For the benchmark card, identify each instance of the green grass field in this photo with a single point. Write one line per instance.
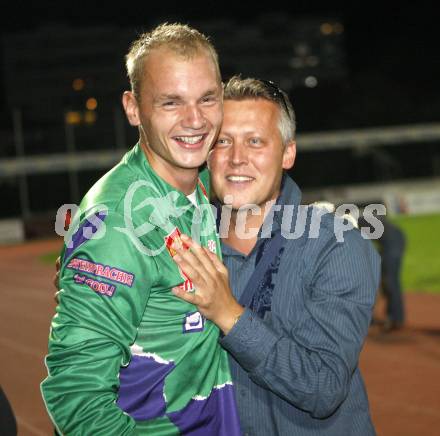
(421, 266)
(49, 258)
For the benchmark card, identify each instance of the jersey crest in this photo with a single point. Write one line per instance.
(171, 240)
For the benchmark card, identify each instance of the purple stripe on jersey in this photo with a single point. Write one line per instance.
(141, 391)
(79, 237)
(216, 415)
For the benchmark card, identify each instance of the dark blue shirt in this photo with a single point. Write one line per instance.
(295, 363)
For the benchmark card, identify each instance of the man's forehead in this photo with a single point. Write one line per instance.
(244, 118)
(253, 110)
(164, 55)
(172, 71)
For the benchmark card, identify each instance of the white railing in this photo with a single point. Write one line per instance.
(359, 138)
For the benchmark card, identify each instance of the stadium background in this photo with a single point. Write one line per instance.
(364, 83)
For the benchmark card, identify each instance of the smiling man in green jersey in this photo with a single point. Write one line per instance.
(125, 355)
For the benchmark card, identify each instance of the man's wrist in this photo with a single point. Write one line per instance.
(232, 319)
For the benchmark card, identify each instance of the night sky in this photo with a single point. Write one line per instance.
(402, 37)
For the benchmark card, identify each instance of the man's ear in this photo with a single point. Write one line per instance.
(131, 108)
(289, 155)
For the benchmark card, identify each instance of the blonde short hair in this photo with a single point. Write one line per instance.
(244, 89)
(180, 38)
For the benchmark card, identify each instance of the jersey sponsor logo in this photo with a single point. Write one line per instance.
(107, 271)
(96, 285)
(171, 240)
(193, 322)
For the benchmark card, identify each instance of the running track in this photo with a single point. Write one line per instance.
(401, 370)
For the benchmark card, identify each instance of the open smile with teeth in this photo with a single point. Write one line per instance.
(190, 140)
(239, 179)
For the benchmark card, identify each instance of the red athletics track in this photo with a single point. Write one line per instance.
(401, 370)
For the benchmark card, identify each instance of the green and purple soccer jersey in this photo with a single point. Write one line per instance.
(125, 355)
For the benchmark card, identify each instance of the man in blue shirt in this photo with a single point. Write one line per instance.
(295, 346)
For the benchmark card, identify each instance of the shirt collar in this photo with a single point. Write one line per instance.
(290, 195)
(138, 162)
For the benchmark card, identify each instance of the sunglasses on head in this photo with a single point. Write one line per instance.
(276, 93)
